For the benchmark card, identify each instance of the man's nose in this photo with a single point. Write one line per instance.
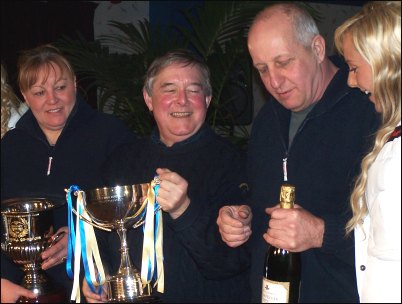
(275, 78)
(181, 97)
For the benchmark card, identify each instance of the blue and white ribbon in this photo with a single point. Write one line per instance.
(152, 250)
(82, 241)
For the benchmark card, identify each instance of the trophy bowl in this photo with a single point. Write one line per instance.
(26, 232)
(118, 208)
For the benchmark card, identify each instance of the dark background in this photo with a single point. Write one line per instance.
(27, 24)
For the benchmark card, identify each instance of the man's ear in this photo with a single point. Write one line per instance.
(148, 100)
(75, 84)
(318, 47)
(208, 100)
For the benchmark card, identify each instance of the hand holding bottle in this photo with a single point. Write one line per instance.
(294, 229)
(235, 224)
(282, 268)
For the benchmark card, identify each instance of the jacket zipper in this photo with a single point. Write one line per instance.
(49, 166)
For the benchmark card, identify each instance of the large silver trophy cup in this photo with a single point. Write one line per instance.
(118, 208)
(26, 233)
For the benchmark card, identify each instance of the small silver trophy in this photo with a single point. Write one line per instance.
(26, 233)
(118, 208)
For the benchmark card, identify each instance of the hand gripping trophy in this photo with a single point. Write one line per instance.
(26, 232)
(117, 208)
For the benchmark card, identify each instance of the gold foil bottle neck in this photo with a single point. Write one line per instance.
(287, 196)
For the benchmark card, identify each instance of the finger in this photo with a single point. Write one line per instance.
(278, 243)
(234, 244)
(55, 238)
(57, 247)
(234, 241)
(245, 214)
(228, 219)
(173, 178)
(271, 209)
(26, 292)
(160, 171)
(231, 234)
(90, 296)
(50, 232)
(53, 261)
(230, 231)
(55, 253)
(163, 174)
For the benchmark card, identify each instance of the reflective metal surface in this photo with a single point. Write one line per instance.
(118, 208)
(26, 231)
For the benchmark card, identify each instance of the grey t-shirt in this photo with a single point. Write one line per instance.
(296, 120)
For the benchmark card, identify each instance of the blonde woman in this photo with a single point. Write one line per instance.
(11, 107)
(371, 44)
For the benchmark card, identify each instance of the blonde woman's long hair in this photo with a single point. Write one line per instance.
(376, 35)
(8, 101)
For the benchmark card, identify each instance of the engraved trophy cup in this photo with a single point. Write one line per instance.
(118, 208)
(26, 227)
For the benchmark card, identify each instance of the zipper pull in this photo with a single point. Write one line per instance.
(49, 166)
(285, 169)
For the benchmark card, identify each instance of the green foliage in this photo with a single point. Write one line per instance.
(216, 31)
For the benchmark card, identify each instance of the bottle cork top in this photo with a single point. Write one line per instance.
(287, 196)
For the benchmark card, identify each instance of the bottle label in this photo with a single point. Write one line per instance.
(274, 292)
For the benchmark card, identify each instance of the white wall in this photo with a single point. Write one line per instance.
(124, 11)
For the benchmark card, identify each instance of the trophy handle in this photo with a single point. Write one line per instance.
(93, 223)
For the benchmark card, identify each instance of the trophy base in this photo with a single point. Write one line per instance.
(125, 286)
(57, 296)
(141, 299)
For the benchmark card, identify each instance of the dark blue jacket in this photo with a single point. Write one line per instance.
(199, 266)
(323, 161)
(84, 144)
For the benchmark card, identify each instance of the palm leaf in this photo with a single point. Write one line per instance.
(216, 31)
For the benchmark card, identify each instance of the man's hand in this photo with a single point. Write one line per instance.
(294, 229)
(235, 224)
(172, 193)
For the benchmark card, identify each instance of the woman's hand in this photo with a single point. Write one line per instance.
(56, 253)
(11, 292)
(92, 297)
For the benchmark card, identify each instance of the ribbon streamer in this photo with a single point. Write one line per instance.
(152, 250)
(159, 246)
(82, 242)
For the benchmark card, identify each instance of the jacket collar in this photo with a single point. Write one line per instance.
(201, 133)
(336, 89)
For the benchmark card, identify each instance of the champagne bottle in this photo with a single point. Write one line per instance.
(281, 278)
